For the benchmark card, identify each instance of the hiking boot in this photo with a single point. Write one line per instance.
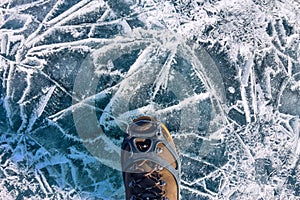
(150, 163)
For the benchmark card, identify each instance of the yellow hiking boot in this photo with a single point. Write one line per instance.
(150, 163)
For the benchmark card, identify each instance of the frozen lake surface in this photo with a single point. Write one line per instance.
(224, 76)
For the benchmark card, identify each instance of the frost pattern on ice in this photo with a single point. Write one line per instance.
(255, 45)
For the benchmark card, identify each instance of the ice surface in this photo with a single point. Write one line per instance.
(222, 75)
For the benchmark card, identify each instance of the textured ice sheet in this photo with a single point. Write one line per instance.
(223, 76)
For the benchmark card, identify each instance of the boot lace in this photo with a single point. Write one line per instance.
(147, 186)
